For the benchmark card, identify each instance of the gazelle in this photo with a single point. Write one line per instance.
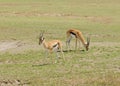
(51, 46)
(79, 37)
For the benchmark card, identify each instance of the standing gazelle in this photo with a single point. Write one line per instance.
(78, 35)
(51, 46)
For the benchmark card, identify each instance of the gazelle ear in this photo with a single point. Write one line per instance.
(42, 32)
(40, 35)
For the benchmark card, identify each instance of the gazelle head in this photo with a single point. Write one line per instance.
(41, 38)
(88, 43)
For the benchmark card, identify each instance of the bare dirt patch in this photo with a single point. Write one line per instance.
(100, 19)
(21, 46)
(17, 46)
(13, 83)
(9, 83)
(9, 45)
(105, 44)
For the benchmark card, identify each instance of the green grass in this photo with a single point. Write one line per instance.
(24, 19)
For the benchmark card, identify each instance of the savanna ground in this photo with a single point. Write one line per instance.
(22, 60)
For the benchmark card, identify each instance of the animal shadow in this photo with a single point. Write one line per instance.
(72, 50)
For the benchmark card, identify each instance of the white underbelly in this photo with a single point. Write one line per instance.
(55, 48)
(72, 35)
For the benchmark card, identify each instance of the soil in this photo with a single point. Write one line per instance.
(17, 46)
(9, 45)
(20, 46)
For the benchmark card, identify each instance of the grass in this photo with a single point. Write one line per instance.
(23, 21)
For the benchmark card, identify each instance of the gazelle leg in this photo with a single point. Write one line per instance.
(68, 42)
(47, 53)
(76, 44)
(62, 53)
(67, 45)
(57, 55)
(79, 44)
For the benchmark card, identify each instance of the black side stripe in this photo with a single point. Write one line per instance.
(73, 34)
(55, 45)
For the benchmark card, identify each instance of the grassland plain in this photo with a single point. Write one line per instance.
(22, 60)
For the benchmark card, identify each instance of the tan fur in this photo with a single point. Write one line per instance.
(78, 36)
(50, 45)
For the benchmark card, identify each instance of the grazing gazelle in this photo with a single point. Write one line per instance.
(78, 35)
(51, 46)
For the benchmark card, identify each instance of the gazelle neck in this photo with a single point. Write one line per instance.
(84, 42)
(45, 44)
